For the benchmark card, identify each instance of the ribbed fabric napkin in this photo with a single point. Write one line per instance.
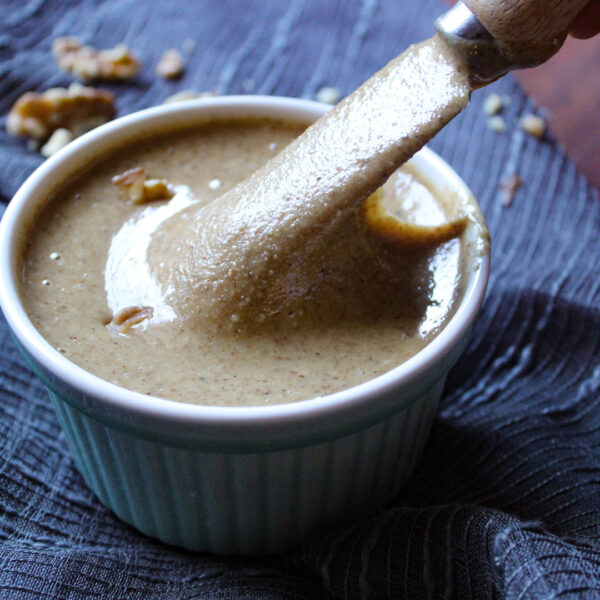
(506, 500)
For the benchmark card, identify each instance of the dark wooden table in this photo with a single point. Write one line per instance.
(568, 88)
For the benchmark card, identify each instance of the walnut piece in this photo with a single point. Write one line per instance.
(157, 189)
(135, 187)
(77, 109)
(188, 95)
(497, 124)
(533, 125)
(328, 94)
(58, 140)
(509, 187)
(87, 63)
(493, 105)
(126, 318)
(170, 65)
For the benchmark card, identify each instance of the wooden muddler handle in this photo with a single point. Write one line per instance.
(529, 31)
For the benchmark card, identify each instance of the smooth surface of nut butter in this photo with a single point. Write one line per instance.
(257, 252)
(389, 304)
(305, 279)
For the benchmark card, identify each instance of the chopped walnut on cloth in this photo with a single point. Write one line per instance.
(58, 140)
(135, 187)
(87, 63)
(77, 109)
(533, 125)
(509, 187)
(188, 95)
(170, 65)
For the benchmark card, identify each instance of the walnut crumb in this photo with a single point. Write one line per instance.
(497, 124)
(170, 65)
(188, 95)
(509, 187)
(87, 63)
(126, 318)
(533, 125)
(328, 94)
(58, 140)
(493, 104)
(135, 187)
(77, 109)
(157, 189)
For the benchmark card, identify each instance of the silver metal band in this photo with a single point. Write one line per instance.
(469, 38)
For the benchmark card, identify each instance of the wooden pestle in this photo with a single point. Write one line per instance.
(251, 254)
(252, 250)
(528, 32)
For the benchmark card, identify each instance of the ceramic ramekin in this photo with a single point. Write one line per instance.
(248, 480)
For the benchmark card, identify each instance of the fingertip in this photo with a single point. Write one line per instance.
(587, 23)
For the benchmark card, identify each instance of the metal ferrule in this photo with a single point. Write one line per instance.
(473, 42)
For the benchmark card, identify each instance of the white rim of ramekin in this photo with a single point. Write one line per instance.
(358, 401)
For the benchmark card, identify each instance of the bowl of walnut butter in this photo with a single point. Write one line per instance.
(243, 341)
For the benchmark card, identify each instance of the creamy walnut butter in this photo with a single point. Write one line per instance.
(304, 279)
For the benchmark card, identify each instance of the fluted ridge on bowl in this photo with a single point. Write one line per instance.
(252, 503)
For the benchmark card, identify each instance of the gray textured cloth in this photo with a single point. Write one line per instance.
(506, 500)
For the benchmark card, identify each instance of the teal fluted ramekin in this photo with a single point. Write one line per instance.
(234, 480)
